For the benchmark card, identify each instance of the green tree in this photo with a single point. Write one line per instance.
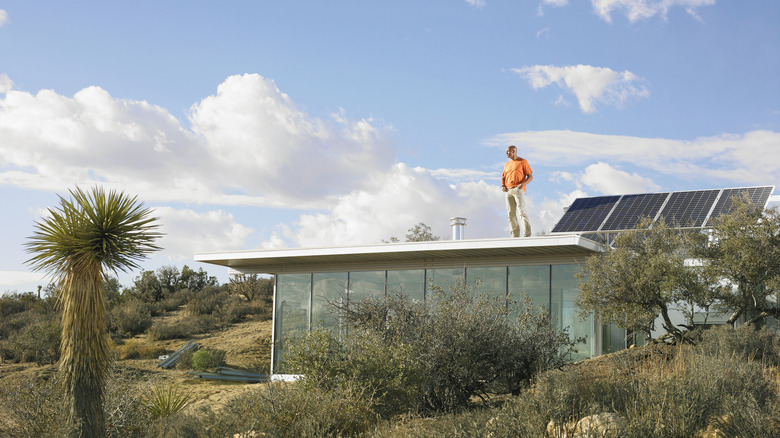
(78, 243)
(644, 275)
(746, 252)
(418, 233)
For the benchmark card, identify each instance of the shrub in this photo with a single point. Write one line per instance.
(131, 318)
(208, 301)
(39, 340)
(745, 342)
(464, 345)
(391, 373)
(285, 409)
(181, 329)
(134, 349)
(678, 394)
(208, 358)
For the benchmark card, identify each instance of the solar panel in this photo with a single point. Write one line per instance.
(586, 214)
(757, 195)
(689, 209)
(632, 208)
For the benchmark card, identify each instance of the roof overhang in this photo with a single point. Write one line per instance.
(471, 252)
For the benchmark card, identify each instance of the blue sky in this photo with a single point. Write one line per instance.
(248, 124)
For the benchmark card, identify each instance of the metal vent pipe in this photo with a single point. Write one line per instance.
(458, 225)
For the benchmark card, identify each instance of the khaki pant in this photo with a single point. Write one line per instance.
(515, 200)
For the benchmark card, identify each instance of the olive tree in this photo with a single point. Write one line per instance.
(645, 274)
(745, 252)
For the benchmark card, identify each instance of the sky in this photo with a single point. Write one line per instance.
(259, 125)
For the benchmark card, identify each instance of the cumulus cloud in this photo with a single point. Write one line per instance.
(5, 83)
(750, 158)
(636, 10)
(3, 17)
(249, 144)
(607, 180)
(187, 232)
(405, 197)
(590, 85)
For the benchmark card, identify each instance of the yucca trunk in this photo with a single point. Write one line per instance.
(85, 356)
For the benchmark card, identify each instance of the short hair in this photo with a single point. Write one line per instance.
(512, 147)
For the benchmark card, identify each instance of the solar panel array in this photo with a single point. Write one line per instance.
(688, 209)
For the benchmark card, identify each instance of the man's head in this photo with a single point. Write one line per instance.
(511, 152)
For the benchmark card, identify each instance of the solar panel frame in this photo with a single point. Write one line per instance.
(689, 209)
(586, 214)
(684, 209)
(632, 208)
(759, 196)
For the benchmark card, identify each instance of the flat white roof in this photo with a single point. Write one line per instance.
(529, 250)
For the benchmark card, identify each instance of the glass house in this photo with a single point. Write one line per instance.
(307, 280)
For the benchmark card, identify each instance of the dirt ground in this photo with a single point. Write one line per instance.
(247, 346)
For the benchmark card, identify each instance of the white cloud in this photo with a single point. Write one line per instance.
(607, 180)
(750, 158)
(476, 3)
(589, 84)
(636, 10)
(3, 17)
(12, 278)
(402, 198)
(264, 150)
(187, 232)
(5, 83)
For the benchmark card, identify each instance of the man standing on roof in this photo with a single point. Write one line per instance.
(517, 174)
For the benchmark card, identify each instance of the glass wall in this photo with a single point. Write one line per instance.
(328, 291)
(563, 292)
(305, 301)
(291, 317)
(443, 278)
(366, 284)
(532, 282)
(408, 282)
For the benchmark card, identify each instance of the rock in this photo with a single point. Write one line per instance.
(605, 424)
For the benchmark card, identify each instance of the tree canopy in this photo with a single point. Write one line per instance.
(733, 267)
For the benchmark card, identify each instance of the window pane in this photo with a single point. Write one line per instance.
(564, 291)
(363, 285)
(490, 281)
(292, 312)
(329, 291)
(408, 282)
(533, 281)
(443, 278)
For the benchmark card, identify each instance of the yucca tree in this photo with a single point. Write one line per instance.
(83, 240)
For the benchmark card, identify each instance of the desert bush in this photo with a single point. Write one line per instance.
(391, 373)
(134, 349)
(674, 395)
(461, 346)
(745, 342)
(208, 358)
(289, 409)
(39, 340)
(131, 317)
(208, 301)
(181, 329)
(31, 408)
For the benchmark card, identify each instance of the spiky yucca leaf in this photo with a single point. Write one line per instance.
(93, 232)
